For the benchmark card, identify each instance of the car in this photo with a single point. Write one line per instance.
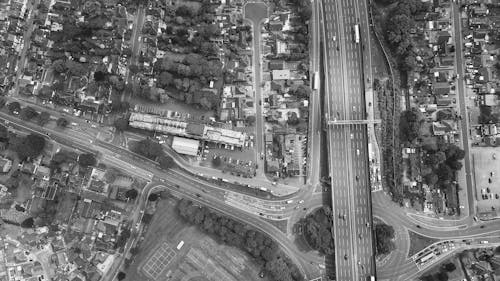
(357, 177)
(418, 226)
(352, 136)
(358, 152)
(301, 201)
(345, 256)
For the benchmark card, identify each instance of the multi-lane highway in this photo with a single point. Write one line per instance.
(348, 147)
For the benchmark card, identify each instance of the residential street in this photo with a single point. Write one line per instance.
(464, 123)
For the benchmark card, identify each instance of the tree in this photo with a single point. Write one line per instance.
(14, 107)
(153, 197)
(4, 133)
(184, 11)
(87, 159)
(28, 223)
(444, 172)
(99, 76)
(165, 79)
(293, 119)
(121, 275)
(409, 125)
(166, 162)
(449, 267)
(148, 148)
(121, 124)
(131, 193)
(134, 69)
(384, 234)
(28, 113)
(62, 122)
(111, 175)
(43, 118)
(29, 147)
(318, 231)
(431, 178)
(434, 159)
(76, 68)
(146, 218)
(59, 66)
(216, 162)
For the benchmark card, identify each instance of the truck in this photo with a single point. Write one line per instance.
(316, 80)
(356, 33)
(179, 246)
(289, 201)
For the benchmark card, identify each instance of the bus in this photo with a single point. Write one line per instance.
(179, 246)
(316, 81)
(356, 33)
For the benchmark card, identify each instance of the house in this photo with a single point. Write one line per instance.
(444, 127)
(281, 74)
(276, 65)
(5, 164)
(43, 172)
(441, 88)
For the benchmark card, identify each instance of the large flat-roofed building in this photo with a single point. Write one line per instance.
(186, 146)
(184, 129)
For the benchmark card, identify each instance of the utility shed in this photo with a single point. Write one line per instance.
(186, 146)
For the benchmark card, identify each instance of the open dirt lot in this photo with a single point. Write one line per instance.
(486, 183)
(200, 258)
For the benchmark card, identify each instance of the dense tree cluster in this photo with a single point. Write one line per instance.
(409, 125)
(318, 230)
(87, 159)
(28, 147)
(122, 238)
(398, 28)
(258, 245)
(28, 113)
(131, 193)
(442, 274)
(444, 160)
(62, 122)
(148, 148)
(154, 151)
(189, 77)
(384, 234)
(487, 116)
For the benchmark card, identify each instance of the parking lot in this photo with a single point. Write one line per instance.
(237, 161)
(486, 165)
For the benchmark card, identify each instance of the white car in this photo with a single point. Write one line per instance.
(357, 152)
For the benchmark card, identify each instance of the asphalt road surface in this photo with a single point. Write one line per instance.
(348, 144)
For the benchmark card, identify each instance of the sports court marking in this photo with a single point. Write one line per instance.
(159, 261)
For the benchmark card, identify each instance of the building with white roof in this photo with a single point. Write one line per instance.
(186, 146)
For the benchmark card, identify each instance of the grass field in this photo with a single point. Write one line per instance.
(419, 242)
(200, 258)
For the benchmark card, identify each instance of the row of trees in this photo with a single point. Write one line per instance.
(28, 113)
(442, 274)
(154, 151)
(262, 248)
(318, 230)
